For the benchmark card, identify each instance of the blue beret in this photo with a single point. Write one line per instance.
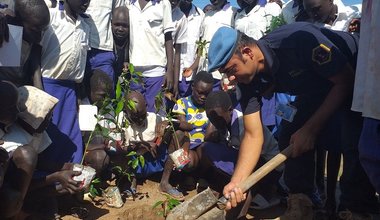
(222, 47)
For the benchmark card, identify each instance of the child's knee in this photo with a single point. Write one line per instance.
(25, 156)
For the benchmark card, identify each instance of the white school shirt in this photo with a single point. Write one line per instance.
(16, 137)
(344, 17)
(212, 22)
(367, 78)
(289, 11)
(64, 47)
(180, 26)
(189, 49)
(147, 35)
(147, 132)
(257, 21)
(101, 33)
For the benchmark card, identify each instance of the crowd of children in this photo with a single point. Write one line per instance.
(124, 56)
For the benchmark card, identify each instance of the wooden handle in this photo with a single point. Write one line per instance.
(265, 169)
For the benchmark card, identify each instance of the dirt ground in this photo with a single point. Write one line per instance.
(141, 207)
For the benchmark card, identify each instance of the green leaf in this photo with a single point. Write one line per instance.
(119, 107)
(131, 105)
(135, 163)
(142, 161)
(95, 181)
(131, 68)
(118, 90)
(158, 203)
(132, 153)
(117, 169)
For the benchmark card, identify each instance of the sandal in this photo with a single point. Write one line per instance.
(174, 193)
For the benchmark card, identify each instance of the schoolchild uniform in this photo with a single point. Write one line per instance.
(64, 50)
(212, 22)
(256, 23)
(180, 33)
(147, 132)
(147, 44)
(101, 55)
(189, 49)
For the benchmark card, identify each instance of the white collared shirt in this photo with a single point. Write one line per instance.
(344, 17)
(16, 137)
(147, 132)
(64, 47)
(180, 26)
(101, 33)
(212, 22)
(257, 21)
(147, 29)
(189, 49)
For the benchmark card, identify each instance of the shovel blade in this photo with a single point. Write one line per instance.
(194, 207)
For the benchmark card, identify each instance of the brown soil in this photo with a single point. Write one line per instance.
(140, 208)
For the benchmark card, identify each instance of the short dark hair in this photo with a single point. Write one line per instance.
(243, 40)
(35, 8)
(218, 99)
(99, 78)
(204, 77)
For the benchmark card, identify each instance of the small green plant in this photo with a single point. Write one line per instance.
(202, 47)
(276, 22)
(163, 207)
(93, 190)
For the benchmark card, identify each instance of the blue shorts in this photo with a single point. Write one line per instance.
(153, 165)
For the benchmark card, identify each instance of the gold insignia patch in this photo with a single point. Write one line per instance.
(321, 54)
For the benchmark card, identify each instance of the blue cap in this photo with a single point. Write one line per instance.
(222, 47)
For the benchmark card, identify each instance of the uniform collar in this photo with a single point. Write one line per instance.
(226, 6)
(194, 11)
(153, 1)
(270, 57)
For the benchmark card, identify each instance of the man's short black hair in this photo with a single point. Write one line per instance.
(99, 78)
(204, 77)
(218, 99)
(243, 41)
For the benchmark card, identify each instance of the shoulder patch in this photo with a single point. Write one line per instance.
(321, 54)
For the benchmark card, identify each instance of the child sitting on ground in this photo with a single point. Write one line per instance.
(192, 123)
(223, 149)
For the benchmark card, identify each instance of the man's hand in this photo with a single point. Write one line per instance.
(234, 195)
(303, 140)
(4, 30)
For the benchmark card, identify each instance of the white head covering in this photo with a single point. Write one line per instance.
(34, 104)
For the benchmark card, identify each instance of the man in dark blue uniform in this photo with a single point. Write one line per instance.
(317, 65)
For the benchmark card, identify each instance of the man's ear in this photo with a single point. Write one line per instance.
(247, 51)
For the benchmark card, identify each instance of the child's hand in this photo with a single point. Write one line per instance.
(187, 72)
(160, 128)
(65, 178)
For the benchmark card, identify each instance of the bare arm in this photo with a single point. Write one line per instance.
(177, 65)
(170, 59)
(249, 154)
(35, 59)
